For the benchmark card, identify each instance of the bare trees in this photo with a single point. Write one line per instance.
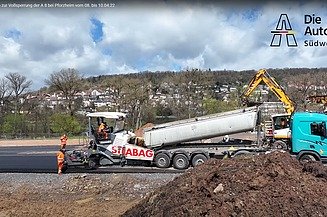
(4, 94)
(129, 94)
(12, 98)
(18, 84)
(68, 81)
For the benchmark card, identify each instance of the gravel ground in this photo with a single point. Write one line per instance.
(47, 194)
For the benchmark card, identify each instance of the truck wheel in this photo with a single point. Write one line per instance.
(241, 153)
(198, 159)
(162, 160)
(307, 158)
(279, 145)
(92, 164)
(180, 162)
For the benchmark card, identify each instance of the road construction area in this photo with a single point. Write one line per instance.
(39, 142)
(112, 194)
(272, 184)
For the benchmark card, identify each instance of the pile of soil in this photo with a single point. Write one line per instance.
(273, 184)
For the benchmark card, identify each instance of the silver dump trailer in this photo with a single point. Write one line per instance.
(203, 127)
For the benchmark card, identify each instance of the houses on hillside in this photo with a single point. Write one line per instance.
(108, 99)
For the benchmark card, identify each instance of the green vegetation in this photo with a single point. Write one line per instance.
(64, 123)
(146, 96)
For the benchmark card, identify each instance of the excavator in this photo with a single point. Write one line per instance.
(277, 133)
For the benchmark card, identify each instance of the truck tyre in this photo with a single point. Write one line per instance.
(241, 153)
(180, 162)
(92, 164)
(198, 159)
(279, 145)
(162, 160)
(307, 158)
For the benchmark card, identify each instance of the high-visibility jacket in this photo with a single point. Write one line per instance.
(101, 127)
(60, 158)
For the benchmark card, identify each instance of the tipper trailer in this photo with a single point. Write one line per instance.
(204, 127)
(179, 144)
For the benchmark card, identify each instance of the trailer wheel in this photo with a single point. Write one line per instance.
(198, 159)
(181, 162)
(279, 145)
(162, 160)
(242, 153)
(307, 158)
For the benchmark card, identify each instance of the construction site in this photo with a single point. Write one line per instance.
(273, 184)
(254, 161)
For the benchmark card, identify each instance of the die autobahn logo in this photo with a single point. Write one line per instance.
(313, 32)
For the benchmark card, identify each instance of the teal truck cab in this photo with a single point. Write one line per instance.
(309, 136)
(308, 139)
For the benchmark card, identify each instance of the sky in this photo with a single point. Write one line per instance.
(133, 36)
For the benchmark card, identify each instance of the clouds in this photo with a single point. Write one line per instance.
(160, 36)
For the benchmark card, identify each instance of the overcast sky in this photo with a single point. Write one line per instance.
(159, 36)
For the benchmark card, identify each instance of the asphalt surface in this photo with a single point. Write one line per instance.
(42, 159)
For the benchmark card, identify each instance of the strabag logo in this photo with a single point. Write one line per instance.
(283, 28)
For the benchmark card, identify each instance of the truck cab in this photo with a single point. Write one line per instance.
(114, 123)
(309, 136)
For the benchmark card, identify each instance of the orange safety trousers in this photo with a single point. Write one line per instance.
(60, 161)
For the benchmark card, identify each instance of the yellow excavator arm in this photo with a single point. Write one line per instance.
(263, 76)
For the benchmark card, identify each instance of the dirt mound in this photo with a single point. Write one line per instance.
(274, 184)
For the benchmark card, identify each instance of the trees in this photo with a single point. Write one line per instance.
(68, 81)
(12, 89)
(300, 87)
(212, 106)
(63, 123)
(15, 125)
(5, 93)
(18, 84)
(131, 94)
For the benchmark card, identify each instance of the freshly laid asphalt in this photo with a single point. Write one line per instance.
(42, 159)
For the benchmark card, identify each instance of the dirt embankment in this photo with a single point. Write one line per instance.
(275, 184)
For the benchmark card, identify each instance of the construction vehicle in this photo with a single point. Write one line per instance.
(276, 134)
(115, 130)
(179, 144)
(308, 141)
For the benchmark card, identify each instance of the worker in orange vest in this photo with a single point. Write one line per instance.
(60, 160)
(63, 141)
(102, 131)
